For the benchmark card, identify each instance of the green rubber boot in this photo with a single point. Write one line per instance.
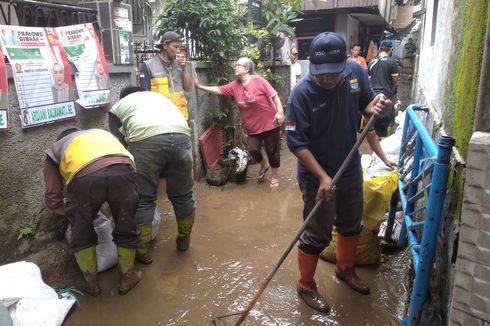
(129, 275)
(87, 261)
(143, 254)
(185, 227)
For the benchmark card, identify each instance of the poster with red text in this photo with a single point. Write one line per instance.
(41, 74)
(84, 50)
(4, 101)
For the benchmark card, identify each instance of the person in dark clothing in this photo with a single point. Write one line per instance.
(95, 168)
(383, 73)
(321, 129)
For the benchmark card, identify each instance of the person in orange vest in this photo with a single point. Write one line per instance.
(95, 168)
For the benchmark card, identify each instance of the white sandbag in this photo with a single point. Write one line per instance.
(391, 145)
(22, 280)
(366, 160)
(155, 225)
(32, 312)
(29, 300)
(106, 248)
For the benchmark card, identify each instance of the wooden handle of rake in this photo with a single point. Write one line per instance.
(335, 179)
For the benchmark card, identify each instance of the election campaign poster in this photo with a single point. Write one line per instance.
(4, 101)
(41, 74)
(84, 50)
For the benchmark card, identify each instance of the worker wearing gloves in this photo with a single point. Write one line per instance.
(95, 168)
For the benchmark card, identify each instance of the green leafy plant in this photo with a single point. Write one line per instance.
(267, 73)
(29, 227)
(215, 34)
(214, 116)
(213, 28)
(252, 52)
(258, 33)
(69, 291)
(280, 15)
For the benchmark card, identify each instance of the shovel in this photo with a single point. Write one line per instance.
(244, 313)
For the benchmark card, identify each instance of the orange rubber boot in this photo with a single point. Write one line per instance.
(306, 284)
(346, 255)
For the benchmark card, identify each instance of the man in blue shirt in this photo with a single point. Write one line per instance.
(321, 129)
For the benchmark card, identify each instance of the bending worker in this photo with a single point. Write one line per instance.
(159, 139)
(165, 73)
(96, 168)
(321, 129)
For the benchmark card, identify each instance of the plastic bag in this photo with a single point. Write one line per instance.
(377, 192)
(106, 249)
(240, 157)
(155, 225)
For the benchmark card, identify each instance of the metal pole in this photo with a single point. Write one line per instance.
(431, 230)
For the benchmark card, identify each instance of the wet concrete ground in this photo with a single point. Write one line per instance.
(241, 230)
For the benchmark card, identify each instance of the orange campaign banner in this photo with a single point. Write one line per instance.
(4, 101)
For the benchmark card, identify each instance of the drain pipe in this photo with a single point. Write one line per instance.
(482, 112)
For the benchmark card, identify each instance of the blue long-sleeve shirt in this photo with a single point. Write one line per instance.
(325, 121)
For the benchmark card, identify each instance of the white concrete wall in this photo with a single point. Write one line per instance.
(434, 60)
(341, 25)
(352, 33)
(348, 27)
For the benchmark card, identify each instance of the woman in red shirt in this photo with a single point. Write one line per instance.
(261, 113)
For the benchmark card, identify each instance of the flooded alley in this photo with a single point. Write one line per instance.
(241, 231)
(105, 105)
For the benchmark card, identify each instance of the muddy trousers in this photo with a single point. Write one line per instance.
(168, 156)
(116, 185)
(271, 140)
(343, 209)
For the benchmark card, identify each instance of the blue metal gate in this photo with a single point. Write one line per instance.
(423, 172)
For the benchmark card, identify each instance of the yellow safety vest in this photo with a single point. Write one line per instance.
(86, 147)
(162, 82)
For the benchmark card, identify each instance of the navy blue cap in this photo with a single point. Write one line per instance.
(328, 53)
(386, 44)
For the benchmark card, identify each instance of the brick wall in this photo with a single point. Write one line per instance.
(471, 293)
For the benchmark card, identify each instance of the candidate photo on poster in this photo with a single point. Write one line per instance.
(101, 76)
(61, 90)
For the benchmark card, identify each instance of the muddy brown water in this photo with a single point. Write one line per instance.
(241, 230)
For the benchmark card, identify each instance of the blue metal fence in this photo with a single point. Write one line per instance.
(423, 172)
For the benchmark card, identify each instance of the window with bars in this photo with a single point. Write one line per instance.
(43, 14)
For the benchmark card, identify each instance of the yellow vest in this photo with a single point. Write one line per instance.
(168, 82)
(87, 147)
(160, 85)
